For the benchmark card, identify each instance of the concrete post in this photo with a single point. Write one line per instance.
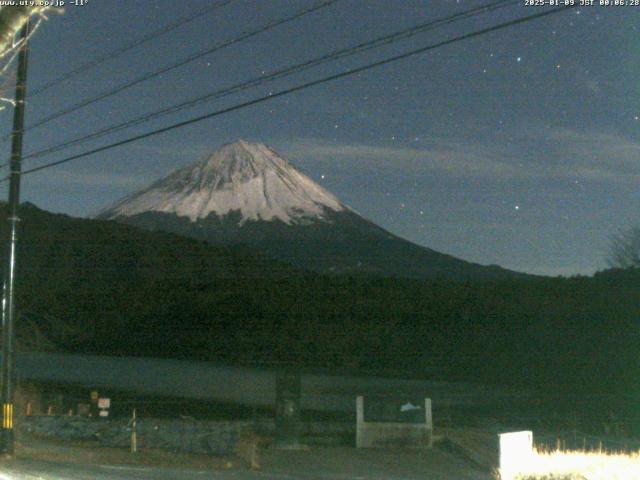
(359, 420)
(428, 417)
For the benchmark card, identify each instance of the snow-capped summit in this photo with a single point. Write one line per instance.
(246, 195)
(249, 178)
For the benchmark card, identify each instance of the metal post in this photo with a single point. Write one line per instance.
(134, 433)
(8, 313)
(288, 421)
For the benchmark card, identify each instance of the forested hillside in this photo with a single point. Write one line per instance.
(101, 287)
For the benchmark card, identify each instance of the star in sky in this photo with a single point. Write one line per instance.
(488, 115)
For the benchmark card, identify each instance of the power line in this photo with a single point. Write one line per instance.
(268, 26)
(300, 87)
(287, 71)
(130, 46)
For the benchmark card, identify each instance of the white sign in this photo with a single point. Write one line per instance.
(104, 413)
(104, 403)
(516, 451)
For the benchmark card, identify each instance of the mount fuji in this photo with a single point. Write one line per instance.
(245, 193)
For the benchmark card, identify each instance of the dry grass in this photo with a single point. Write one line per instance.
(575, 465)
(90, 453)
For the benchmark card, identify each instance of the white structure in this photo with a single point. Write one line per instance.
(516, 452)
(373, 433)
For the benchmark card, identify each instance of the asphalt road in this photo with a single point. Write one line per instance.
(318, 464)
(28, 470)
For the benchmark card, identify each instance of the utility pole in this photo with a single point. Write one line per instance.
(288, 421)
(7, 377)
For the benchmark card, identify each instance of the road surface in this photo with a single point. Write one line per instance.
(326, 463)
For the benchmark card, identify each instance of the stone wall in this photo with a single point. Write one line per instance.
(211, 437)
(205, 437)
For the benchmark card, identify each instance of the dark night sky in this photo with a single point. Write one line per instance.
(519, 148)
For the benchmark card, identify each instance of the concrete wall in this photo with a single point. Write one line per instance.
(204, 437)
(389, 434)
(186, 435)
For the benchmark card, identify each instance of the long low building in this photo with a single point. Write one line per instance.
(238, 385)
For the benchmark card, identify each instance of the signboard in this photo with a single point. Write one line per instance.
(394, 409)
(516, 449)
(104, 403)
(104, 413)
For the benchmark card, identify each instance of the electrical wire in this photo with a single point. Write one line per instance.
(303, 86)
(148, 76)
(287, 71)
(129, 46)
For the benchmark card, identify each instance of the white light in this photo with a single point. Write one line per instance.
(518, 459)
(516, 452)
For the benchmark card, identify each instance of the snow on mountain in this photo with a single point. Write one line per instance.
(246, 194)
(249, 178)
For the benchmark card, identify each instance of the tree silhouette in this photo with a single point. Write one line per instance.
(625, 249)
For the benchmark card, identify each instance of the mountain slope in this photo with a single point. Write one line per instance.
(247, 194)
(102, 287)
(241, 177)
